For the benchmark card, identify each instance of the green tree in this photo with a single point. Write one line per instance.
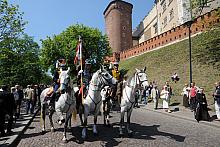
(19, 54)
(19, 62)
(95, 46)
(11, 21)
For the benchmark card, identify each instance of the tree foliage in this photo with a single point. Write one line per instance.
(19, 54)
(95, 46)
(19, 62)
(11, 21)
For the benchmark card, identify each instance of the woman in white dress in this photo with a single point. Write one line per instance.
(165, 95)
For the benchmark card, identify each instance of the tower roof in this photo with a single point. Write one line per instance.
(114, 1)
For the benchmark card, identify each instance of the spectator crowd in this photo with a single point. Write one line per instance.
(14, 100)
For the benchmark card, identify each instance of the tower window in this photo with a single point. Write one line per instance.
(164, 7)
(165, 21)
(171, 14)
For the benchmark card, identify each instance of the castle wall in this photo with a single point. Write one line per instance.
(201, 24)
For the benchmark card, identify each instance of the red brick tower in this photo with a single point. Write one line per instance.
(118, 25)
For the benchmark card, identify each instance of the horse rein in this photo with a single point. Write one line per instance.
(102, 82)
(137, 77)
(140, 80)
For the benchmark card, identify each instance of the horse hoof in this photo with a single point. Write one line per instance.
(43, 132)
(64, 140)
(130, 134)
(52, 130)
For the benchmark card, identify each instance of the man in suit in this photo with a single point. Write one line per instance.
(7, 106)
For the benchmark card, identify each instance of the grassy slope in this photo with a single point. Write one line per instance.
(162, 63)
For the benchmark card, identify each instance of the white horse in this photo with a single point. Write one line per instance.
(65, 104)
(137, 81)
(93, 100)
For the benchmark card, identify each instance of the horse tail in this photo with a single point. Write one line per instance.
(74, 115)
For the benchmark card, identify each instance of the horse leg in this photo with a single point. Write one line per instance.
(128, 123)
(104, 112)
(61, 119)
(80, 114)
(107, 112)
(51, 111)
(69, 123)
(43, 115)
(119, 100)
(121, 123)
(84, 131)
(68, 116)
(95, 132)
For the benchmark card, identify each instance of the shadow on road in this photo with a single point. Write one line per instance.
(174, 104)
(109, 136)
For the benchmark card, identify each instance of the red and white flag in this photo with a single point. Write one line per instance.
(78, 55)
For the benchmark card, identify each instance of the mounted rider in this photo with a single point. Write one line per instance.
(115, 71)
(117, 91)
(54, 92)
(86, 77)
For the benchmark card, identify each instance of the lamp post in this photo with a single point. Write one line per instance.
(189, 24)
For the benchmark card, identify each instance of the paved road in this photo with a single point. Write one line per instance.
(151, 129)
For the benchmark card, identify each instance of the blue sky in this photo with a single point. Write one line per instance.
(49, 17)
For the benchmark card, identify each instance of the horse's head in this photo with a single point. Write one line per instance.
(141, 78)
(105, 77)
(64, 80)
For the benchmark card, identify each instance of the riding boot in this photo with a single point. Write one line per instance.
(57, 95)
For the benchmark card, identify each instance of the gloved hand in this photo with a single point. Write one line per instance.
(81, 71)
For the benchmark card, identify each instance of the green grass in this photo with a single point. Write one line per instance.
(162, 63)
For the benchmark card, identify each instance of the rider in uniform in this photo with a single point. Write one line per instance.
(116, 94)
(87, 76)
(54, 91)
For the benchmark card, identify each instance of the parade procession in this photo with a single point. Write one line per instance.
(147, 76)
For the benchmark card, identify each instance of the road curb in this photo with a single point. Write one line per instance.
(185, 118)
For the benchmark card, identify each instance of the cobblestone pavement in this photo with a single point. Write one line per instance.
(150, 129)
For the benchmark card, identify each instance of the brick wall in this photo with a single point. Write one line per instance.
(201, 24)
(119, 25)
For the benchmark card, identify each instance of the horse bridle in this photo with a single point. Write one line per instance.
(137, 77)
(132, 103)
(141, 82)
(103, 80)
(65, 83)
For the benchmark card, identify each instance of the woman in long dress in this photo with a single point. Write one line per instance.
(165, 95)
(201, 112)
(185, 94)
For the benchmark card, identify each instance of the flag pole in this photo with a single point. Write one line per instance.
(80, 51)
